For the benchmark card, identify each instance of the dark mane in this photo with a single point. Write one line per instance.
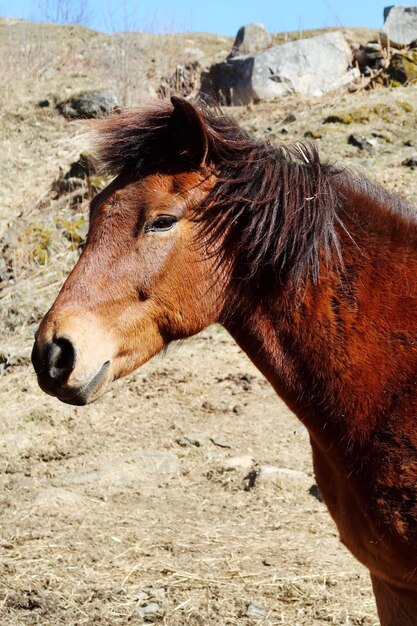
(273, 208)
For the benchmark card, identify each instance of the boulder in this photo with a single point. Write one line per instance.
(250, 38)
(400, 24)
(309, 67)
(403, 67)
(88, 105)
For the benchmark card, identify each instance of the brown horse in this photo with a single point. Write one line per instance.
(311, 269)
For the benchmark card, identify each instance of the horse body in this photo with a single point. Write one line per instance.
(311, 270)
(358, 404)
(361, 426)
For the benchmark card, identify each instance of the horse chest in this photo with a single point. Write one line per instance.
(372, 522)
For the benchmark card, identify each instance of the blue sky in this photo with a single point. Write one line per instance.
(218, 16)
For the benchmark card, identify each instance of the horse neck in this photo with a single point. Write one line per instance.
(339, 352)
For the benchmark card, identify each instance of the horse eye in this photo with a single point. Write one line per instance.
(160, 224)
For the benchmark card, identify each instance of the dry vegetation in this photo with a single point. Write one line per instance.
(110, 508)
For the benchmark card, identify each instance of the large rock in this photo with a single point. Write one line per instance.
(89, 105)
(403, 67)
(309, 67)
(250, 38)
(400, 24)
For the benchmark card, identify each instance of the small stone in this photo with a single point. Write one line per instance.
(411, 162)
(302, 432)
(42, 104)
(157, 593)
(247, 378)
(148, 612)
(288, 119)
(221, 442)
(244, 462)
(141, 596)
(270, 473)
(255, 611)
(360, 142)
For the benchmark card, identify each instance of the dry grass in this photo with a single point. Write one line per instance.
(22, 59)
(203, 550)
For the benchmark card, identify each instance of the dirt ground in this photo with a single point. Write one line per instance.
(109, 507)
(156, 504)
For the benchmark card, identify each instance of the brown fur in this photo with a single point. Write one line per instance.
(311, 269)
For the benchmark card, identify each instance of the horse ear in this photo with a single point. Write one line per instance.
(189, 132)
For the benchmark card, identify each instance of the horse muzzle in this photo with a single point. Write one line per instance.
(55, 364)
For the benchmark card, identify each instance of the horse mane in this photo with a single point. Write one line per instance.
(272, 207)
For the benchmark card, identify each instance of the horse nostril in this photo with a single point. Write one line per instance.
(60, 358)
